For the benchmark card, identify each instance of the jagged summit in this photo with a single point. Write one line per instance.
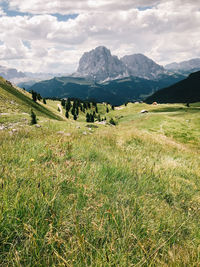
(99, 65)
(141, 66)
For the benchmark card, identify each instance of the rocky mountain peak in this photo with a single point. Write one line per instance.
(141, 66)
(99, 65)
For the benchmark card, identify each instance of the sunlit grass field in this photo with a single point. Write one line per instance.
(125, 195)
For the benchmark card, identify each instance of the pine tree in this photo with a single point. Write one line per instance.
(68, 105)
(96, 109)
(107, 110)
(113, 108)
(91, 118)
(44, 101)
(88, 117)
(33, 118)
(34, 95)
(39, 97)
(67, 114)
(73, 111)
(99, 117)
(75, 117)
(63, 102)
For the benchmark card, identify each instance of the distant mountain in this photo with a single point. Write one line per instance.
(100, 65)
(185, 91)
(10, 73)
(115, 92)
(185, 66)
(142, 66)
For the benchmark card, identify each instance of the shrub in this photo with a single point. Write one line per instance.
(112, 122)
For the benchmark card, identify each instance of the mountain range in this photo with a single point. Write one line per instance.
(185, 66)
(116, 92)
(102, 76)
(106, 78)
(100, 65)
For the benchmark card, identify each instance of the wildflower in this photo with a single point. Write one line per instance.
(32, 160)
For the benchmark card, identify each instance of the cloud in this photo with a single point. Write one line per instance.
(163, 31)
(76, 6)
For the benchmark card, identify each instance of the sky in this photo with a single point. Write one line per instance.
(51, 36)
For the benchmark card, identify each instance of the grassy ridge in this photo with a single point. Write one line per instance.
(113, 196)
(17, 100)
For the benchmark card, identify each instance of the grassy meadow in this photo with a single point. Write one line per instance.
(72, 194)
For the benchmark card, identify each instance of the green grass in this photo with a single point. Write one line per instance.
(115, 196)
(16, 100)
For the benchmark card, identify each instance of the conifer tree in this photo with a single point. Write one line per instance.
(67, 114)
(33, 118)
(88, 117)
(44, 101)
(63, 102)
(91, 118)
(107, 110)
(96, 109)
(113, 108)
(75, 117)
(68, 104)
(39, 97)
(73, 111)
(99, 117)
(34, 95)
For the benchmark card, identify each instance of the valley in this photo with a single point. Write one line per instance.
(88, 194)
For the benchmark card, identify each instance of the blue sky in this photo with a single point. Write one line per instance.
(51, 36)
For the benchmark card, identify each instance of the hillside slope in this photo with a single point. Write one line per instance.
(115, 92)
(185, 91)
(16, 101)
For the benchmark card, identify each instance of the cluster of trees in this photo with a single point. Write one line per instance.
(36, 96)
(74, 106)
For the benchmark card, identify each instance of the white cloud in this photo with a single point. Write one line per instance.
(164, 32)
(76, 6)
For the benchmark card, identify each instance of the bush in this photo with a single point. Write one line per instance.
(112, 122)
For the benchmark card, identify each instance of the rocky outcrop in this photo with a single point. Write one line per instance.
(141, 66)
